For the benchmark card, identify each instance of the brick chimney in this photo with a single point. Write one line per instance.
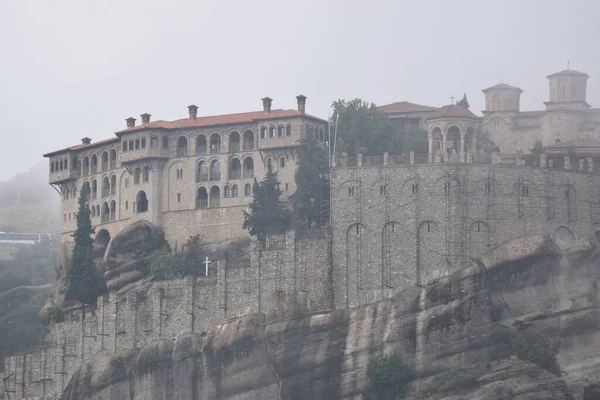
(267, 104)
(301, 103)
(193, 109)
(130, 122)
(145, 118)
(86, 140)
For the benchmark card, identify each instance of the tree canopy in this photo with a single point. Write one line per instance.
(267, 213)
(311, 182)
(361, 128)
(83, 281)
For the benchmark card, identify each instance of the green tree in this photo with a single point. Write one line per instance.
(267, 213)
(83, 282)
(311, 181)
(388, 377)
(538, 148)
(484, 141)
(464, 102)
(361, 125)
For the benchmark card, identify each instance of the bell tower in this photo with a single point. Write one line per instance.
(567, 90)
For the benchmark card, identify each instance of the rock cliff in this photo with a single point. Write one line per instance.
(440, 329)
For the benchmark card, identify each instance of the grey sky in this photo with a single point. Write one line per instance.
(73, 68)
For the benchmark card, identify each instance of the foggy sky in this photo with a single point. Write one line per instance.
(75, 68)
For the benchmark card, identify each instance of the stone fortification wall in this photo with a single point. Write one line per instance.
(289, 276)
(397, 226)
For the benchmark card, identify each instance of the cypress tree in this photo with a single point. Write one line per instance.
(267, 213)
(310, 181)
(83, 281)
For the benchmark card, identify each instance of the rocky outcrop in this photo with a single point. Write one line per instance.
(57, 296)
(439, 329)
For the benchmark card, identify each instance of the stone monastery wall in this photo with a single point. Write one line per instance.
(289, 274)
(393, 226)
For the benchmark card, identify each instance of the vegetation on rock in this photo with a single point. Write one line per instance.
(166, 264)
(389, 377)
(267, 213)
(311, 182)
(84, 284)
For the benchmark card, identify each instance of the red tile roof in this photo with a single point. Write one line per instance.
(224, 119)
(404, 106)
(584, 147)
(83, 146)
(502, 86)
(453, 111)
(568, 72)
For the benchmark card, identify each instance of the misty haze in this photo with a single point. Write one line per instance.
(308, 200)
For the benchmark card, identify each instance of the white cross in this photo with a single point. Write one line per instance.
(206, 262)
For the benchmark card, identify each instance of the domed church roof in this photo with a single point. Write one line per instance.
(453, 111)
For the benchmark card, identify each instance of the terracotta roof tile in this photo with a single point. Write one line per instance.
(83, 146)
(502, 86)
(453, 111)
(224, 119)
(404, 106)
(581, 147)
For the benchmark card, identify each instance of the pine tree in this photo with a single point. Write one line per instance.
(267, 213)
(83, 282)
(310, 181)
(464, 102)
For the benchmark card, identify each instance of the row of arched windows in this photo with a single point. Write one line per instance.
(212, 198)
(212, 145)
(108, 187)
(89, 164)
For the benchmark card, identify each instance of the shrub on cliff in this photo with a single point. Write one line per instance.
(528, 345)
(388, 377)
(83, 281)
(166, 264)
(267, 213)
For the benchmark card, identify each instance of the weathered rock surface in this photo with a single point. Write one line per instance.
(439, 328)
(57, 296)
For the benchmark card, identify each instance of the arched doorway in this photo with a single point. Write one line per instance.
(248, 170)
(141, 202)
(201, 198)
(215, 143)
(235, 168)
(248, 140)
(215, 170)
(453, 140)
(182, 145)
(214, 200)
(234, 142)
(105, 186)
(113, 159)
(113, 210)
(102, 239)
(202, 172)
(201, 144)
(104, 161)
(105, 216)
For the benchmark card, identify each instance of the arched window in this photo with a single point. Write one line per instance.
(93, 211)
(214, 200)
(94, 162)
(201, 144)
(105, 161)
(247, 190)
(215, 170)
(201, 198)
(113, 210)
(234, 142)
(105, 186)
(226, 192)
(141, 202)
(235, 191)
(113, 185)
(146, 174)
(282, 162)
(215, 143)
(263, 132)
(248, 140)
(248, 170)
(94, 189)
(235, 168)
(136, 175)
(97, 210)
(269, 163)
(105, 217)
(86, 166)
(113, 159)
(182, 145)
(201, 172)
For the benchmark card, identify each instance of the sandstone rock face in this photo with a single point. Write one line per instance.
(119, 261)
(439, 329)
(57, 296)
